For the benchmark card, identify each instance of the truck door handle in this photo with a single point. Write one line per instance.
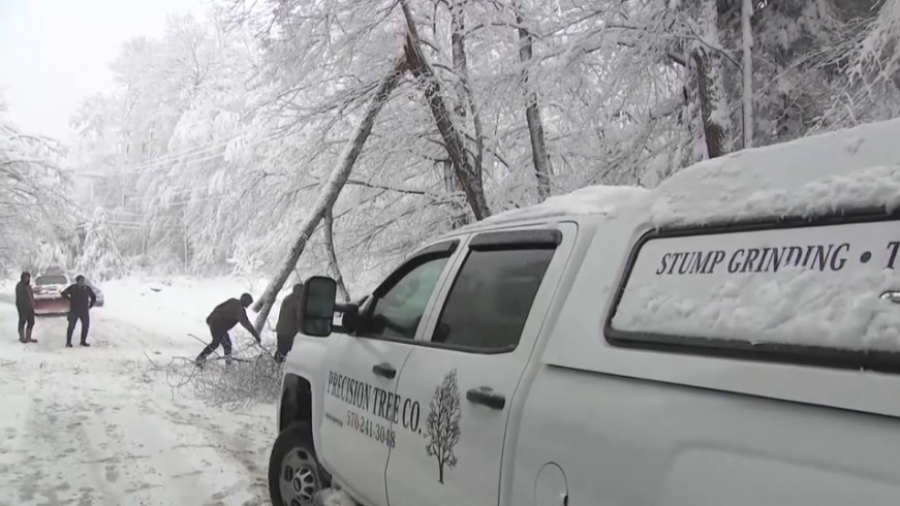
(384, 370)
(486, 397)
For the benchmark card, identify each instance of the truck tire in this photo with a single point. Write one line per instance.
(295, 475)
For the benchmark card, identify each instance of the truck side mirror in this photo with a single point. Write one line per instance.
(317, 306)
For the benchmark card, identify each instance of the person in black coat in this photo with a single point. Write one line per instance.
(81, 299)
(25, 306)
(222, 319)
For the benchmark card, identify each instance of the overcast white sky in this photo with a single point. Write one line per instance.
(55, 52)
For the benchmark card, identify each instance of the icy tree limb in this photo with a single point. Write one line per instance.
(330, 191)
(421, 69)
(539, 154)
(328, 229)
(747, 39)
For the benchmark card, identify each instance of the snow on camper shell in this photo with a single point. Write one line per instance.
(822, 285)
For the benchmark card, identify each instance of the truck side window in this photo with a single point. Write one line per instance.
(397, 313)
(491, 297)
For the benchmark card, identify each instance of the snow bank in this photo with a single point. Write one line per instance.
(851, 168)
(177, 306)
(336, 498)
(817, 286)
(599, 199)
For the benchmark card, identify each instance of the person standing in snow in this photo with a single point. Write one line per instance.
(25, 305)
(81, 299)
(288, 322)
(222, 319)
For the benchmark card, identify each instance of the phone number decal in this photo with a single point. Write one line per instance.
(369, 428)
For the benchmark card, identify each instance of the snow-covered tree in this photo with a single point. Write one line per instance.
(100, 259)
(226, 128)
(34, 207)
(50, 256)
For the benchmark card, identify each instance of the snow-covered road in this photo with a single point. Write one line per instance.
(99, 425)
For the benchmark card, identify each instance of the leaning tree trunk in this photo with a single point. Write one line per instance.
(747, 91)
(330, 190)
(539, 154)
(422, 70)
(711, 84)
(465, 102)
(332, 255)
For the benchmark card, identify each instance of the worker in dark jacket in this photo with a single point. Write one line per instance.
(81, 299)
(288, 322)
(222, 319)
(25, 305)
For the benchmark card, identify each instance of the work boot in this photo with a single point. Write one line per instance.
(22, 336)
(28, 338)
(85, 344)
(68, 345)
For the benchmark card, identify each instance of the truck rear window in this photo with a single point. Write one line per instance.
(809, 291)
(50, 280)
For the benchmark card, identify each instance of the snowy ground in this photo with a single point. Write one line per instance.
(102, 426)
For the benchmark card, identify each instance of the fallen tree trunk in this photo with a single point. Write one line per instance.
(330, 191)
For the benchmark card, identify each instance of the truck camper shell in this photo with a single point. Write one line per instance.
(822, 209)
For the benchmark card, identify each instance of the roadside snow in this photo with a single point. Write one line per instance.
(177, 306)
(338, 498)
(100, 425)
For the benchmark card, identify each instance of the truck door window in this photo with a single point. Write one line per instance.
(490, 299)
(397, 313)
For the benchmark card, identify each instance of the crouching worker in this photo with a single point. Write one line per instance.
(25, 305)
(288, 322)
(222, 319)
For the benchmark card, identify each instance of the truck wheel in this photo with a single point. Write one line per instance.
(294, 472)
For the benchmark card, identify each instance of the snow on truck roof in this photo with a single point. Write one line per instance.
(598, 199)
(852, 168)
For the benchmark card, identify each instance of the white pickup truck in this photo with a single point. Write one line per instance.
(730, 338)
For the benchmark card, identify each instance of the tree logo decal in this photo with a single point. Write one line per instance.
(442, 425)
